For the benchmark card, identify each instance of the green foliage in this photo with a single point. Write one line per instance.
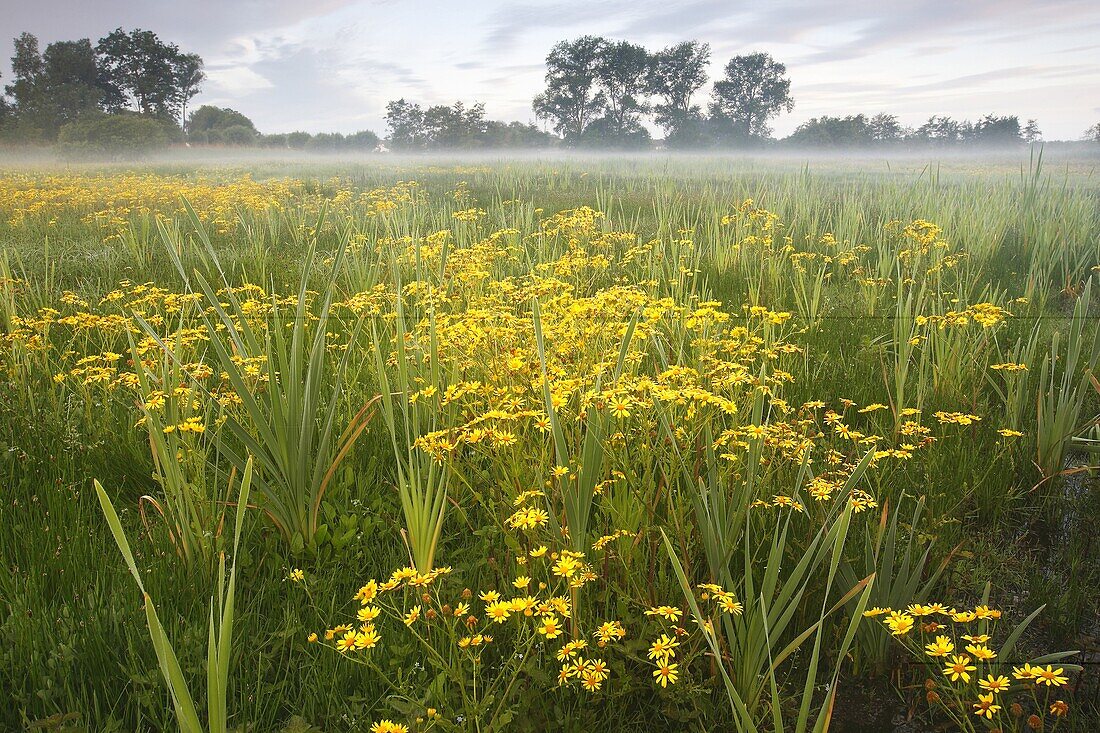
(220, 637)
(290, 425)
(117, 134)
(755, 89)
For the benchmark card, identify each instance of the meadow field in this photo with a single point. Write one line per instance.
(550, 443)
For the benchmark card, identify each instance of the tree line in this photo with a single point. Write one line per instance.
(132, 89)
(74, 86)
(600, 93)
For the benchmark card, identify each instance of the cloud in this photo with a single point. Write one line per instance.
(235, 80)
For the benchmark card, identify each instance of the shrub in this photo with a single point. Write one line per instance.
(118, 133)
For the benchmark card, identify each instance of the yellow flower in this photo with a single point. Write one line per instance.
(663, 648)
(591, 682)
(368, 613)
(566, 566)
(941, 648)
(564, 674)
(368, 638)
(1027, 672)
(981, 652)
(959, 668)
(412, 616)
(499, 611)
(550, 627)
(297, 575)
(367, 593)
(666, 675)
(994, 684)
(610, 631)
(347, 642)
(900, 624)
(1049, 676)
(669, 613)
(388, 726)
(985, 706)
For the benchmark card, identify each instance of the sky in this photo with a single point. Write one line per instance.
(331, 65)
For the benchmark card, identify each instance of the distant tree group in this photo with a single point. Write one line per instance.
(220, 125)
(442, 127)
(937, 131)
(125, 73)
(598, 91)
(209, 125)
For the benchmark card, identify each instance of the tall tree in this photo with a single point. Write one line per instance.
(571, 100)
(27, 70)
(5, 111)
(1093, 133)
(885, 128)
(454, 126)
(189, 79)
(940, 130)
(140, 70)
(622, 71)
(1031, 132)
(678, 72)
(405, 121)
(755, 89)
(994, 130)
(70, 84)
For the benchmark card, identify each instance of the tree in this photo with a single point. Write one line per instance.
(116, 134)
(754, 90)
(189, 79)
(1093, 133)
(605, 133)
(454, 127)
(5, 112)
(69, 83)
(885, 128)
(678, 72)
(25, 90)
(362, 140)
(516, 135)
(622, 70)
(940, 130)
(440, 126)
(994, 130)
(571, 100)
(140, 70)
(1031, 132)
(210, 124)
(825, 131)
(297, 140)
(405, 121)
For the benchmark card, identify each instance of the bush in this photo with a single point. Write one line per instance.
(235, 135)
(118, 133)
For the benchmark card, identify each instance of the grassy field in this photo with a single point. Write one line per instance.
(550, 444)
